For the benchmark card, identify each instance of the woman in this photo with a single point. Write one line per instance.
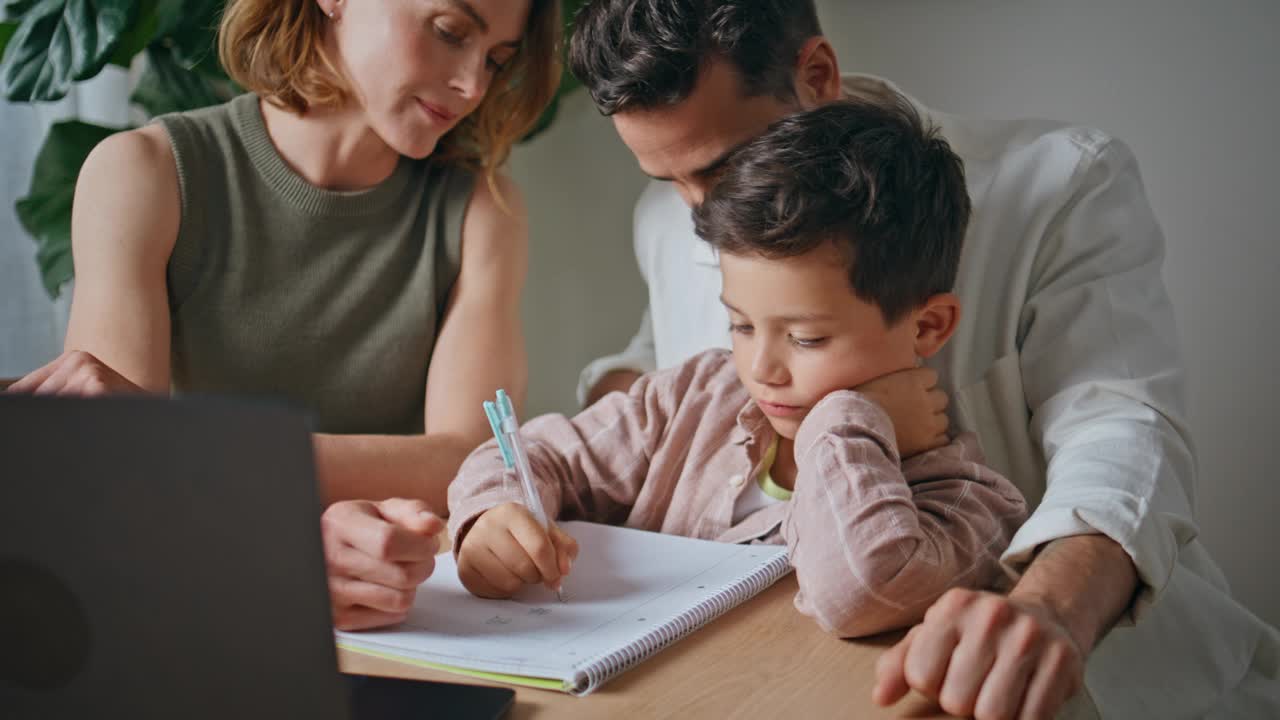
(341, 238)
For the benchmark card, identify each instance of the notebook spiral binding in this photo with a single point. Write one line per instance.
(593, 672)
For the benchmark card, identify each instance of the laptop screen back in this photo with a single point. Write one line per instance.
(161, 558)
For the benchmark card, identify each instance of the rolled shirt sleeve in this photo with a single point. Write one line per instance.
(1100, 367)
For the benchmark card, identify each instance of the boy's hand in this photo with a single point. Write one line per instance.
(915, 404)
(506, 549)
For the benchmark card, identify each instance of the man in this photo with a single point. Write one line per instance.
(1066, 365)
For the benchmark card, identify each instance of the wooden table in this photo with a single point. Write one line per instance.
(762, 659)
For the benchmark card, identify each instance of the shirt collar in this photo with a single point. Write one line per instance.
(751, 423)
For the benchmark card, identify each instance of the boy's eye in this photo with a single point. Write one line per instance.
(807, 342)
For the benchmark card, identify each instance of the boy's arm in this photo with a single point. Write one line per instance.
(873, 547)
(590, 466)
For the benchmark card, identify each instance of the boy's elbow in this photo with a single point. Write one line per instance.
(848, 610)
(857, 620)
(882, 596)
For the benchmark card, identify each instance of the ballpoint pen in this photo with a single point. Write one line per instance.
(495, 422)
(532, 500)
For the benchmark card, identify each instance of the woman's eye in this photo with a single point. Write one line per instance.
(741, 329)
(448, 35)
(495, 66)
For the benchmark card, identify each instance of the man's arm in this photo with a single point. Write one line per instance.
(1085, 582)
(619, 372)
(1101, 374)
(479, 349)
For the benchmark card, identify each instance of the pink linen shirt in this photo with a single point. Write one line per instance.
(873, 540)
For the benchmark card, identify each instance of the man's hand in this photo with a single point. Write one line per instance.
(377, 555)
(1020, 656)
(915, 404)
(620, 380)
(982, 655)
(506, 549)
(74, 373)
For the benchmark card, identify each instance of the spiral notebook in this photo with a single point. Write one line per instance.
(631, 593)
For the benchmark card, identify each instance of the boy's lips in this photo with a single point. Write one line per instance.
(779, 410)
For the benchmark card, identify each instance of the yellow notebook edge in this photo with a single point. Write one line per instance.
(524, 680)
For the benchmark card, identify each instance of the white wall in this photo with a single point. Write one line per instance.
(1189, 84)
(584, 296)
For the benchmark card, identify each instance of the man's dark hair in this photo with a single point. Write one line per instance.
(646, 54)
(872, 178)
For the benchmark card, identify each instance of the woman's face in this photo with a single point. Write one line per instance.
(418, 67)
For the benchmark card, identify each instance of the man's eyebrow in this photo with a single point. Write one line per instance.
(701, 173)
(478, 19)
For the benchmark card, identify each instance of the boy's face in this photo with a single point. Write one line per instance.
(799, 332)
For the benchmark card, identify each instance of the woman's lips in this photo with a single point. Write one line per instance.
(437, 113)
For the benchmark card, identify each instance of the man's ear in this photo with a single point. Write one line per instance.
(935, 322)
(817, 79)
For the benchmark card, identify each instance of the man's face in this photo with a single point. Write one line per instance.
(687, 143)
(799, 332)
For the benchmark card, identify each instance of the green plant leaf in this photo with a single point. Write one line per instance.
(59, 42)
(14, 8)
(6, 31)
(139, 34)
(191, 30)
(167, 87)
(46, 210)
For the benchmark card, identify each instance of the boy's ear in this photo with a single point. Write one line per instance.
(935, 322)
(817, 78)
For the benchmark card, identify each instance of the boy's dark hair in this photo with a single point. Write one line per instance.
(645, 54)
(871, 178)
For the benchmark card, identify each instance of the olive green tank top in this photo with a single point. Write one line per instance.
(329, 301)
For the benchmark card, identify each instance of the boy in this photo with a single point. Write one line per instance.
(839, 234)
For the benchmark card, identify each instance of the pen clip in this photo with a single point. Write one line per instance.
(491, 412)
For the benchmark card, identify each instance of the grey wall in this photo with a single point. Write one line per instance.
(1189, 84)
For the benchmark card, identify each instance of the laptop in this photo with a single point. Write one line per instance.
(162, 559)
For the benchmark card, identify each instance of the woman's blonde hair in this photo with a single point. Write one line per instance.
(276, 50)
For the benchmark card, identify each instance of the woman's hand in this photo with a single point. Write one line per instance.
(377, 554)
(75, 372)
(915, 404)
(506, 549)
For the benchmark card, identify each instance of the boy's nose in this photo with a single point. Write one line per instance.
(767, 369)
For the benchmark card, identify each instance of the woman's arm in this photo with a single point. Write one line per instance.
(124, 223)
(480, 348)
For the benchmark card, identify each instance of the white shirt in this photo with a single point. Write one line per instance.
(1066, 364)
